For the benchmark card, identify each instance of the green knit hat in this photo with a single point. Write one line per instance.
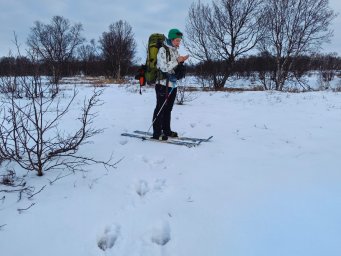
(174, 33)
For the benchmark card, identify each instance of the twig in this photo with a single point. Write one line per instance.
(20, 210)
(27, 190)
(1, 226)
(37, 192)
(58, 178)
(13, 190)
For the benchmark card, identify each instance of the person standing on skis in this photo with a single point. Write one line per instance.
(167, 61)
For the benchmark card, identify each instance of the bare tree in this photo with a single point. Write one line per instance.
(222, 33)
(293, 28)
(31, 133)
(88, 52)
(118, 47)
(90, 60)
(55, 43)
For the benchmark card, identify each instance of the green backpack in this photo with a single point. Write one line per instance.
(155, 42)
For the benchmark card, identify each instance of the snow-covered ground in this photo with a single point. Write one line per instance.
(268, 184)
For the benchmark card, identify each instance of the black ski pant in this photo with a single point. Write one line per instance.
(163, 120)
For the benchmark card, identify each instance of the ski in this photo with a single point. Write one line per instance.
(191, 139)
(169, 141)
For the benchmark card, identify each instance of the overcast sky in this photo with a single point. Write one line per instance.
(145, 17)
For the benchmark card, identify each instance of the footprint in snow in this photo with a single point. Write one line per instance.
(142, 188)
(160, 184)
(123, 142)
(108, 239)
(155, 161)
(161, 233)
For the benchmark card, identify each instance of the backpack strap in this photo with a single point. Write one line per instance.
(168, 58)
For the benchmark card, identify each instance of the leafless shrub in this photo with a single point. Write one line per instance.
(31, 133)
(327, 70)
(184, 93)
(323, 81)
(337, 87)
(8, 178)
(11, 183)
(10, 85)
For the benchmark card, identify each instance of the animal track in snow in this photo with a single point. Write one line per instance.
(153, 161)
(159, 184)
(161, 233)
(109, 237)
(123, 142)
(142, 188)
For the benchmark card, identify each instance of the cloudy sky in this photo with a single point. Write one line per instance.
(145, 17)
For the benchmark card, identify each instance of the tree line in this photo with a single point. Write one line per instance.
(280, 40)
(243, 67)
(58, 49)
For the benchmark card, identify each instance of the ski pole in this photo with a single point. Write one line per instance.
(164, 103)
